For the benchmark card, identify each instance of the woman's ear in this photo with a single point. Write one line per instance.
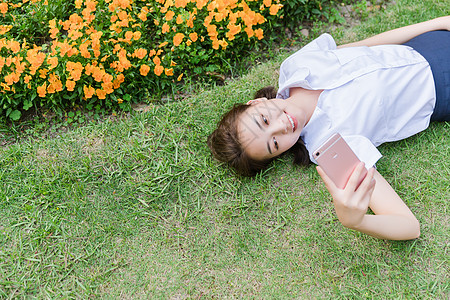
(256, 101)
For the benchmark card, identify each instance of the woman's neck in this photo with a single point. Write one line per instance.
(304, 100)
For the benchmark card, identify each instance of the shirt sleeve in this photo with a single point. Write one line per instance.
(295, 70)
(364, 149)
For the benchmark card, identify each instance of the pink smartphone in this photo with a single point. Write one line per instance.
(338, 160)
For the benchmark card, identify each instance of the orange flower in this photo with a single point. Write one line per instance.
(179, 19)
(137, 35)
(144, 70)
(119, 100)
(84, 50)
(168, 72)
(27, 78)
(158, 70)
(88, 91)
(267, 3)
(215, 44)
(179, 77)
(259, 33)
(108, 87)
(143, 14)
(193, 36)
(3, 8)
(14, 46)
(52, 61)
(156, 60)
(101, 94)
(274, 9)
(165, 28)
(169, 15)
(42, 90)
(140, 53)
(178, 38)
(70, 85)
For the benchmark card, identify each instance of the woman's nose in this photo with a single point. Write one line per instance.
(279, 127)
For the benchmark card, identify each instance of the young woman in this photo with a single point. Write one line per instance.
(384, 88)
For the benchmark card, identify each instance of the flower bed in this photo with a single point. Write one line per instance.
(108, 52)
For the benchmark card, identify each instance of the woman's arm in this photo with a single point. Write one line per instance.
(392, 220)
(403, 34)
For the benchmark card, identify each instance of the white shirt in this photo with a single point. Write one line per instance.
(371, 95)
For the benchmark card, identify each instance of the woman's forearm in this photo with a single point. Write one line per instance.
(403, 34)
(392, 227)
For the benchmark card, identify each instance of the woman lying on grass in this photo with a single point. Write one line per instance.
(381, 89)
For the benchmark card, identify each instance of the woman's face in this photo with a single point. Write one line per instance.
(269, 127)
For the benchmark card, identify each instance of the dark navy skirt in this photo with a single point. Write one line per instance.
(435, 47)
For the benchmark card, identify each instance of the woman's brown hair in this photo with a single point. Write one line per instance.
(226, 147)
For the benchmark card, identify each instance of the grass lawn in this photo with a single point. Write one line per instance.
(137, 208)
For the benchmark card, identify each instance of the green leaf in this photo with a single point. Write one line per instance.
(15, 115)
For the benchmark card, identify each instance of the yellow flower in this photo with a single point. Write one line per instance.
(179, 77)
(119, 101)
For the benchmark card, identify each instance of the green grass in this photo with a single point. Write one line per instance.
(137, 208)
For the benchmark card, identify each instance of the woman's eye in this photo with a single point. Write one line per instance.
(275, 143)
(265, 120)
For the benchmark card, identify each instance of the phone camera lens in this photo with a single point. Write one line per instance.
(317, 153)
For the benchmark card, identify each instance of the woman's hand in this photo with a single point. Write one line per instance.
(352, 202)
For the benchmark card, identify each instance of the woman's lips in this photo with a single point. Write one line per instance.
(293, 121)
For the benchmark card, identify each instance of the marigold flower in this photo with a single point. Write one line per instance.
(178, 38)
(52, 61)
(119, 101)
(88, 91)
(156, 60)
(5, 28)
(140, 53)
(274, 9)
(27, 78)
(78, 3)
(70, 85)
(42, 90)
(137, 35)
(14, 46)
(179, 77)
(165, 28)
(3, 8)
(101, 94)
(259, 33)
(179, 19)
(158, 70)
(144, 69)
(108, 87)
(215, 44)
(267, 3)
(193, 36)
(168, 72)
(169, 15)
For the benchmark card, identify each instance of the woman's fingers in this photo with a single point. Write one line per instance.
(365, 189)
(355, 178)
